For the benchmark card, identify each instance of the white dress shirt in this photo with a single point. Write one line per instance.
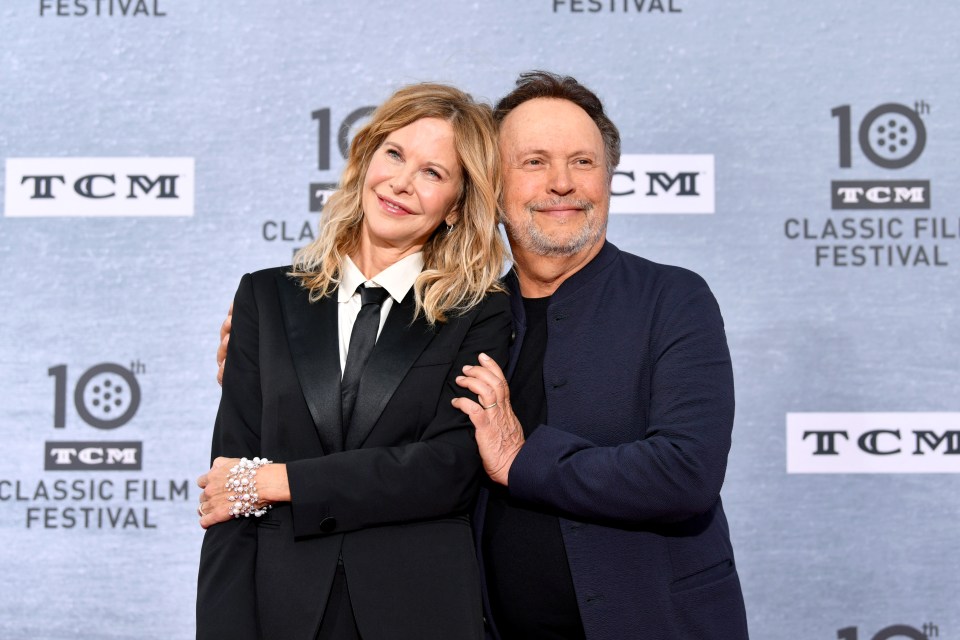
(397, 279)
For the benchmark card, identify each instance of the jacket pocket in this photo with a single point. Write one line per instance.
(433, 360)
(709, 575)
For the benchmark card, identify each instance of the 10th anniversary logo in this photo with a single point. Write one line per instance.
(885, 222)
(105, 397)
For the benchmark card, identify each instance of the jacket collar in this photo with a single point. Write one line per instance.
(313, 341)
(397, 279)
(607, 255)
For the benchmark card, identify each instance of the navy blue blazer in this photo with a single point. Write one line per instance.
(640, 405)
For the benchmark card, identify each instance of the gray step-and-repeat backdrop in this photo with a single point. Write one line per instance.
(801, 156)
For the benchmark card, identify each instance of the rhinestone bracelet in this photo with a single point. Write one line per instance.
(242, 482)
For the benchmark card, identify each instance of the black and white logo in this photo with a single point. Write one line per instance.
(890, 136)
(110, 187)
(884, 217)
(646, 183)
(106, 396)
(923, 442)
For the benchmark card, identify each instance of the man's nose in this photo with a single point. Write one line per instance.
(561, 181)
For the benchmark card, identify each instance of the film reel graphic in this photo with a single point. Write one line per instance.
(106, 396)
(892, 136)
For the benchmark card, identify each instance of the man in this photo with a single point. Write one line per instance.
(607, 448)
(605, 519)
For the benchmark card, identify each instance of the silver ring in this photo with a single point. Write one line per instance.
(489, 407)
(200, 510)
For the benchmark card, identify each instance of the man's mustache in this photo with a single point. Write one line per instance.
(565, 203)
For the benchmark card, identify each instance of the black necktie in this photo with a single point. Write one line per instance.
(362, 339)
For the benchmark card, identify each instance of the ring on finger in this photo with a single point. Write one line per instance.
(490, 406)
(200, 510)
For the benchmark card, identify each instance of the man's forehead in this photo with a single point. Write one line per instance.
(547, 123)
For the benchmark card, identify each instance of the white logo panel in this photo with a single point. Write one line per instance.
(112, 187)
(873, 442)
(664, 184)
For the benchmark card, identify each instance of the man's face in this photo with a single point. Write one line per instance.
(556, 191)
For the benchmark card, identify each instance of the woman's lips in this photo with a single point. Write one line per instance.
(392, 207)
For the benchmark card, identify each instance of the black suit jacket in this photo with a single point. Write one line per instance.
(391, 501)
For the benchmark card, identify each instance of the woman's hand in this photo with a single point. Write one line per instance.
(215, 500)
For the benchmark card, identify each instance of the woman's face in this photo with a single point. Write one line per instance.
(411, 186)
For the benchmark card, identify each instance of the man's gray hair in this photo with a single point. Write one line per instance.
(543, 84)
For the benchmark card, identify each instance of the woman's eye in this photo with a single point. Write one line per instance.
(393, 153)
(432, 173)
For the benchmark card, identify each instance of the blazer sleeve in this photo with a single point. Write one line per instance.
(676, 469)
(226, 598)
(437, 475)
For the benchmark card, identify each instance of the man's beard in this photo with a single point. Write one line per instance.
(533, 239)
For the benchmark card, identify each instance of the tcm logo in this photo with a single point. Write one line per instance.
(873, 443)
(89, 456)
(663, 184)
(106, 397)
(890, 136)
(46, 187)
(889, 194)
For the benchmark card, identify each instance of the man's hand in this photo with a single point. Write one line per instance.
(222, 349)
(499, 434)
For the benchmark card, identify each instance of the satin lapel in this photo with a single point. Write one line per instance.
(397, 348)
(312, 337)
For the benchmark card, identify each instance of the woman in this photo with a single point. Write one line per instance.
(359, 527)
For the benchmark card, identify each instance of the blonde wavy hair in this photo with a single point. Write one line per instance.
(460, 265)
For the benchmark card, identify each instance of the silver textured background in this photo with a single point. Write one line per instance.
(233, 83)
